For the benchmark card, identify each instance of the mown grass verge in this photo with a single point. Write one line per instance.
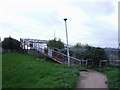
(25, 71)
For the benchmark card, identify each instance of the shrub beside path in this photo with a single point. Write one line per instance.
(92, 79)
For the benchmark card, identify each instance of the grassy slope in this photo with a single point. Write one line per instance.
(112, 76)
(24, 71)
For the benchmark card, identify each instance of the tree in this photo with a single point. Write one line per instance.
(78, 45)
(96, 54)
(11, 44)
(55, 44)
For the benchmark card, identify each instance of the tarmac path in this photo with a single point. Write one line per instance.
(92, 79)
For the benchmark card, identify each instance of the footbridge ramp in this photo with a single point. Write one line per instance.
(41, 46)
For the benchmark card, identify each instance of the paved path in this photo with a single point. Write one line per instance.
(92, 79)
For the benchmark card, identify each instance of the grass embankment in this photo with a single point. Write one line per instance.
(112, 74)
(24, 71)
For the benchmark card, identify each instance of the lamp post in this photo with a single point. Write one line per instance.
(67, 42)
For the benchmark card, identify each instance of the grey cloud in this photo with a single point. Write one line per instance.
(50, 19)
(95, 8)
(10, 27)
(103, 32)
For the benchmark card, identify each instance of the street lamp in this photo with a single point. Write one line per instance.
(67, 42)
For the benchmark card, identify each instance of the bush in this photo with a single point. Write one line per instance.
(55, 44)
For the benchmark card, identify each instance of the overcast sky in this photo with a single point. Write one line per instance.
(93, 22)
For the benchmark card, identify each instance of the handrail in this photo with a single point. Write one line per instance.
(66, 55)
(58, 56)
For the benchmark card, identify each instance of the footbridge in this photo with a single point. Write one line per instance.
(41, 46)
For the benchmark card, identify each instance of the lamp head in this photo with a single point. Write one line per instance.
(65, 19)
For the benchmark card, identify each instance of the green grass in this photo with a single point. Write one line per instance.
(112, 74)
(24, 71)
